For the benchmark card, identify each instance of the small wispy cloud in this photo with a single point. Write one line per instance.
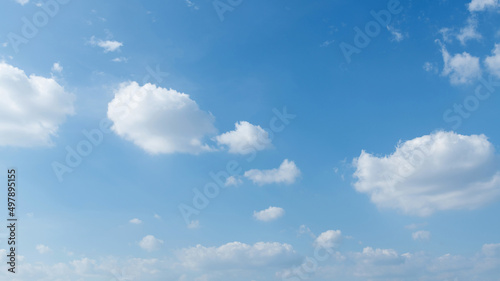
(397, 35)
(107, 45)
(192, 5)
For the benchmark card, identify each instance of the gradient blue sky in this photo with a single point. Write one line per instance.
(398, 93)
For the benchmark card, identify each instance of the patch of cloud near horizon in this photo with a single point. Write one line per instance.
(233, 260)
(160, 120)
(237, 255)
(269, 214)
(436, 172)
(245, 139)
(32, 108)
(286, 173)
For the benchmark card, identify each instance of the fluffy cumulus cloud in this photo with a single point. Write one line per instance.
(287, 173)
(245, 139)
(32, 108)
(493, 62)
(23, 2)
(107, 45)
(237, 255)
(150, 243)
(160, 120)
(328, 239)
(461, 68)
(481, 5)
(440, 171)
(269, 214)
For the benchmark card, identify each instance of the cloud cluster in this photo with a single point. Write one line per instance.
(440, 171)
(32, 108)
(237, 255)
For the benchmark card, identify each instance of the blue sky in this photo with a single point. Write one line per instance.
(359, 147)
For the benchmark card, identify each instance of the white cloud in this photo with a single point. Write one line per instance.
(191, 4)
(23, 2)
(421, 235)
(57, 67)
(233, 181)
(396, 34)
(107, 45)
(159, 120)
(120, 59)
(469, 32)
(327, 43)
(32, 108)
(245, 139)
(156, 216)
(430, 67)
(150, 243)
(493, 62)
(237, 255)
(194, 224)
(42, 249)
(263, 261)
(445, 33)
(461, 68)
(306, 230)
(481, 5)
(329, 239)
(286, 173)
(388, 264)
(135, 221)
(440, 171)
(269, 214)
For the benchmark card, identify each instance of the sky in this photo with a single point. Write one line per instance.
(199, 140)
